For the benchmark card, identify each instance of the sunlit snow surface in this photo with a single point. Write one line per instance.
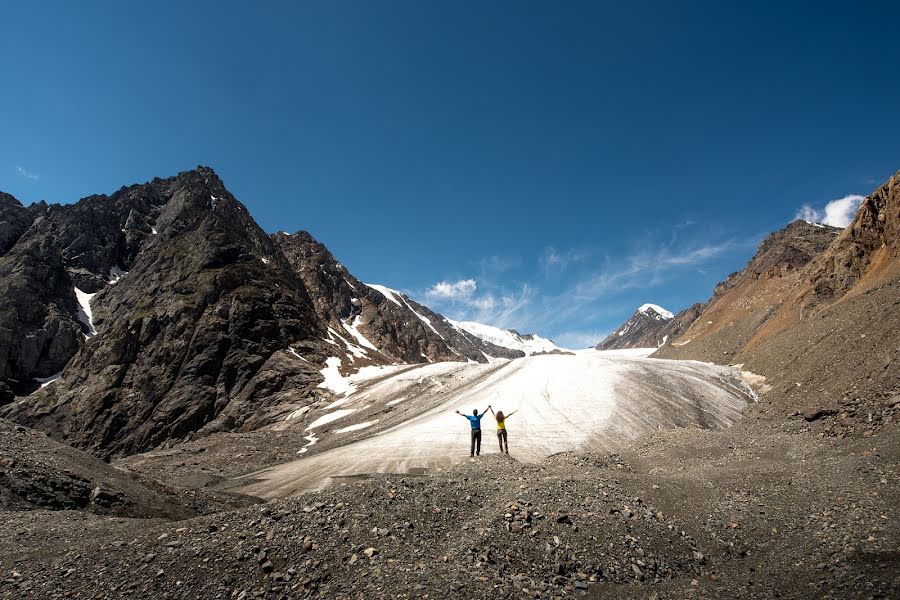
(590, 401)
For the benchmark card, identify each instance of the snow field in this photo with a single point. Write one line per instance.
(590, 401)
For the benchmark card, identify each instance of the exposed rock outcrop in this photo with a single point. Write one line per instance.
(194, 338)
(747, 299)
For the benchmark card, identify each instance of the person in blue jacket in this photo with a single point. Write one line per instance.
(475, 422)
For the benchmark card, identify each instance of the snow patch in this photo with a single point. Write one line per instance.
(45, 381)
(387, 293)
(328, 418)
(334, 381)
(153, 230)
(84, 311)
(265, 260)
(423, 319)
(294, 352)
(353, 329)
(397, 401)
(356, 427)
(115, 274)
(310, 440)
(355, 350)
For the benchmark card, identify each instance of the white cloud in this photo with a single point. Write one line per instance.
(555, 261)
(444, 290)
(458, 300)
(587, 303)
(26, 173)
(837, 213)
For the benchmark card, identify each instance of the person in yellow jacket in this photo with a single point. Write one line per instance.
(501, 428)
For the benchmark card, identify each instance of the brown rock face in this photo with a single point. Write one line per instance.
(820, 320)
(865, 254)
(747, 299)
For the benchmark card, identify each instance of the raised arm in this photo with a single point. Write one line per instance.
(512, 413)
(490, 409)
(460, 414)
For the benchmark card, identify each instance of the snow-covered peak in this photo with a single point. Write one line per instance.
(655, 308)
(529, 344)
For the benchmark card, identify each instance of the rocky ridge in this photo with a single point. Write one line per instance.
(184, 342)
(649, 328)
(822, 302)
(376, 324)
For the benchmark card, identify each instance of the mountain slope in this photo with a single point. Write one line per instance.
(194, 337)
(823, 330)
(742, 303)
(650, 326)
(375, 324)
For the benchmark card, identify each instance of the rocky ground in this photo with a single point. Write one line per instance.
(768, 508)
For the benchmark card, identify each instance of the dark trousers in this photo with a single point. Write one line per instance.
(501, 437)
(476, 442)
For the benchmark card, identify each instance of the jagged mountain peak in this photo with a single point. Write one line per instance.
(650, 326)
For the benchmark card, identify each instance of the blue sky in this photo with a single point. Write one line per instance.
(553, 165)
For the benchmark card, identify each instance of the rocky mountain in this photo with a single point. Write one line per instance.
(748, 298)
(179, 315)
(374, 324)
(650, 326)
(823, 301)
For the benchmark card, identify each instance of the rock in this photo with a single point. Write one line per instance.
(370, 552)
(564, 519)
(812, 413)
